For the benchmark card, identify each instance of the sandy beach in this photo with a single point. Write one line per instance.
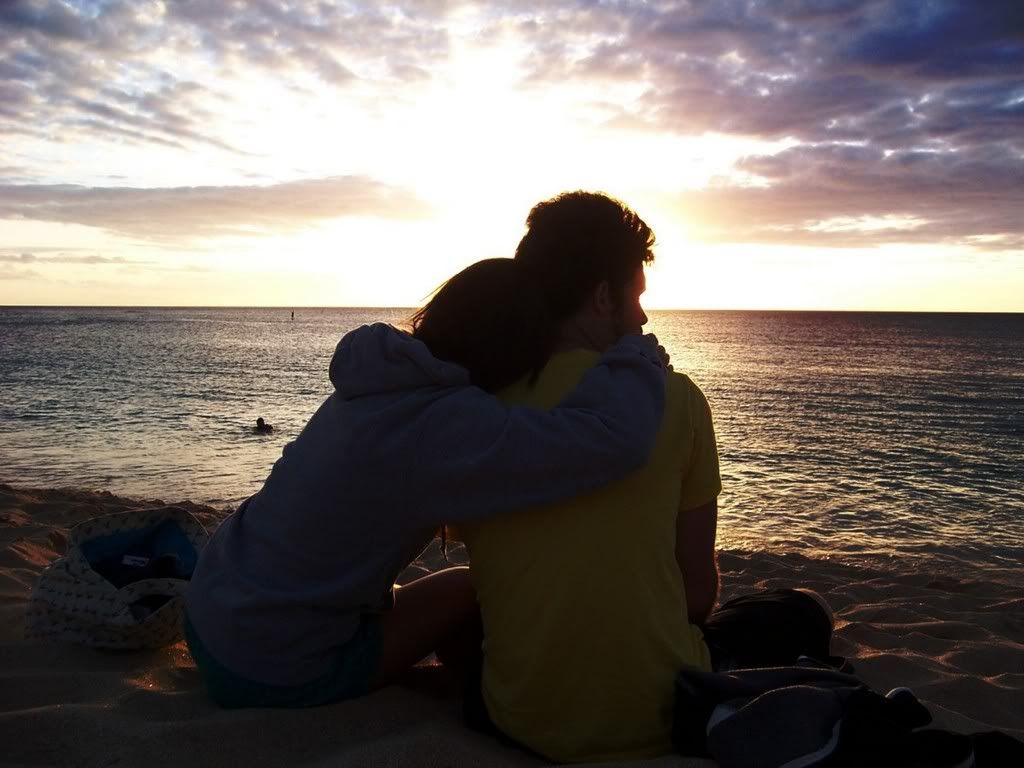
(958, 643)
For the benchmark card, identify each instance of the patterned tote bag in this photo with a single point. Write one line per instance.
(121, 583)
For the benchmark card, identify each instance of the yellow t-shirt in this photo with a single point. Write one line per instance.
(583, 604)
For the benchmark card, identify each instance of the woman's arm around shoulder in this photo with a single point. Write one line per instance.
(479, 457)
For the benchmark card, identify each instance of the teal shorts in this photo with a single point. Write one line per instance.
(354, 665)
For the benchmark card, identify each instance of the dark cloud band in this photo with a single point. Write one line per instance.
(182, 213)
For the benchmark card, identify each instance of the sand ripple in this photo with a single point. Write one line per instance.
(959, 644)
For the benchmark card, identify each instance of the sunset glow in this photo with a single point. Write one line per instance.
(188, 153)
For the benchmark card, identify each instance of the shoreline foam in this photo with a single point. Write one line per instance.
(958, 643)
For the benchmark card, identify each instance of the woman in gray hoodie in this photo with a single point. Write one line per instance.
(293, 601)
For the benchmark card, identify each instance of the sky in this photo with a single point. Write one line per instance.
(789, 154)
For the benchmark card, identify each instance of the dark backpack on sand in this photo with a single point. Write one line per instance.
(811, 716)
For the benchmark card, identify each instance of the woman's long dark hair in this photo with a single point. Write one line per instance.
(491, 319)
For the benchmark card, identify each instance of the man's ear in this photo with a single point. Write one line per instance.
(603, 304)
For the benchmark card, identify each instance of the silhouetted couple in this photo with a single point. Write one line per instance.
(523, 407)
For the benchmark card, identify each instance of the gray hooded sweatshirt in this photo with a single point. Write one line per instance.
(403, 445)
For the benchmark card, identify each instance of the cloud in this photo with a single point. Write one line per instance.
(143, 72)
(941, 41)
(860, 195)
(12, 263)
(11, 172)
(183, 213)
(8, 272)
(68, 258)
(895, 111)
(814, 71)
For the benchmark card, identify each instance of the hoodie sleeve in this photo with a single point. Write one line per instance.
(482, 457)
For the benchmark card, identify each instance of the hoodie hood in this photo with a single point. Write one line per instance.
(376, 359)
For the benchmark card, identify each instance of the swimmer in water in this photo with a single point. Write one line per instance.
(262, 427)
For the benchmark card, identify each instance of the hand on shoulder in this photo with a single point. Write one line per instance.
(648, 345)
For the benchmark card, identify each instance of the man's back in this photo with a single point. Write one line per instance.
(583, 603)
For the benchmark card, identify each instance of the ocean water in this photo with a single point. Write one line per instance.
(861, 436)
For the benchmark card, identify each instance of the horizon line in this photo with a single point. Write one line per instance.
(295, 307)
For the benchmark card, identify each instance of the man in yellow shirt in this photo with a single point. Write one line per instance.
(590, 608)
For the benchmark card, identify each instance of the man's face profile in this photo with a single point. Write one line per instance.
(631, 317)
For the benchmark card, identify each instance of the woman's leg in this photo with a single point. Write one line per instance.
(437, 613)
